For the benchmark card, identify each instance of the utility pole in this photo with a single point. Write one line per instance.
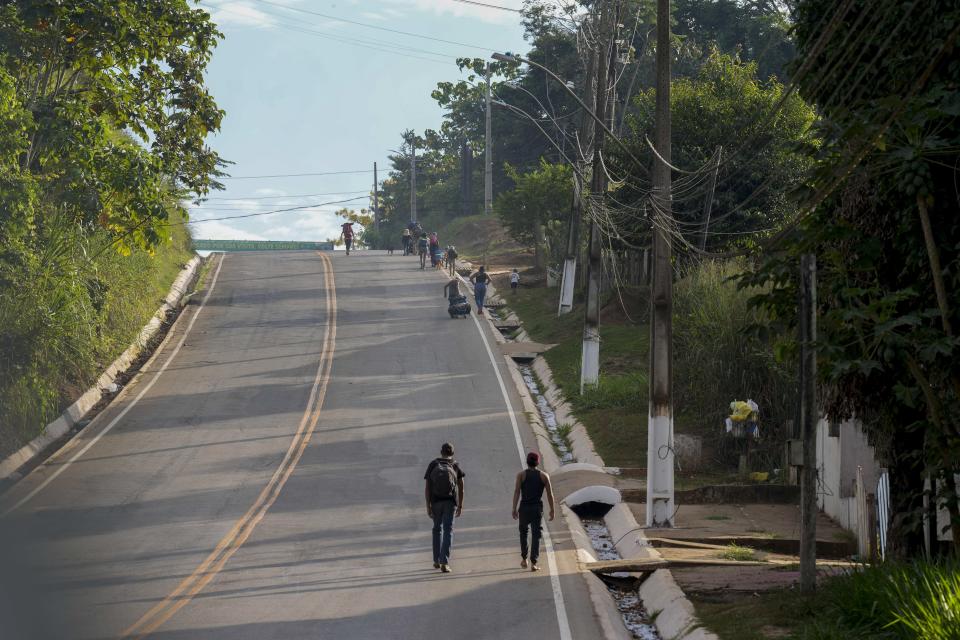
(660, 454)
(809, 418)
(708, 203)
(376, 200)
(590, 350)
(413, 181)
(569, 277)
(488, 158)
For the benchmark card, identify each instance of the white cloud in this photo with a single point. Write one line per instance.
(215, 230)
(268, 191)
(239, 13)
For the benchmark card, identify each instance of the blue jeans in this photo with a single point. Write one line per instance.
(442, 519)
(479, 293)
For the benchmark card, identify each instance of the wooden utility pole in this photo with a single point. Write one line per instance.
(488, 157)
(590, 349)
(376, 200)
(660, 454)
(413, 181)
(809, 418)
(708, 204)
(569, 276)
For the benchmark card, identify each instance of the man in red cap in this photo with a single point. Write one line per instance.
(528, 507)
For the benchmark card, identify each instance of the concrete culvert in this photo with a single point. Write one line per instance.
(593, 501)
(591, 510)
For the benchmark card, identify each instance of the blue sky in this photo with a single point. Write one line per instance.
(305, 93)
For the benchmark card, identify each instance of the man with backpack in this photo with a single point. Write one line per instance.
(444, 494)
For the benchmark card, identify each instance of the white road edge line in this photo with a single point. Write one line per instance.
(132, 403)
(562, 621)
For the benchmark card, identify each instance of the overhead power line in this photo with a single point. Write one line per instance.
(393, 48)
(297, 195)
(373, 26)
(297, 175)
(266, 213)
(491, 6)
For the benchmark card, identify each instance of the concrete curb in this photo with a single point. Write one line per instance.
(672, 612)
(75, 412)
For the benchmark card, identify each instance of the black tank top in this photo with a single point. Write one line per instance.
(531, 487)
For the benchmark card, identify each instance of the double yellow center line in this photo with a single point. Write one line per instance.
(234, 539)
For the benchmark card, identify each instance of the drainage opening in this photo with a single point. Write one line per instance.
(592, 510)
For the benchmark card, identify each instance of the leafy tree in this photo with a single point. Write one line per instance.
(726, 104)
(85, 71)
(887, 239)
(540, 197)
(103, 122)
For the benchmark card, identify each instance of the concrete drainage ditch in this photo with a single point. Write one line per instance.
(557, 436)
(623, 587)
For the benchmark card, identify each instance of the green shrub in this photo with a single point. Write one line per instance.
(919, 601)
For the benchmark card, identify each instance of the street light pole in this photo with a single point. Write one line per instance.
(590, 346)
(660, 453)
(569, 276)
(488, 158)
(413, 181)
(376, 200)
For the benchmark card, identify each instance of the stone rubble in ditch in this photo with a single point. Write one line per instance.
(549, 418)
(635, 617)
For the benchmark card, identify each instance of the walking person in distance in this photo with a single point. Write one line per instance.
(480, 280)
(528, 508)
(444, 495)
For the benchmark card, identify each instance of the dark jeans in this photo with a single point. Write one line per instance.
(531, 517)
(443, 511)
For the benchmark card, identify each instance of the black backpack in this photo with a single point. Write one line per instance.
(443, 480)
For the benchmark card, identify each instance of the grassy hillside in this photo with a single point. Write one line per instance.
(65, 316)
(482, 238)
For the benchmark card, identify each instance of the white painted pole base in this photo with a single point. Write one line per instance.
(590, 358)
(660, 507)
(566, 286)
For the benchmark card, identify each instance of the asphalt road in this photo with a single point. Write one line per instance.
(263, 477)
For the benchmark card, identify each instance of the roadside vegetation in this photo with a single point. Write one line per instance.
(717, 358)
(103, 121)
(893, 601)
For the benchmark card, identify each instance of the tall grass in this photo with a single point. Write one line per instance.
(68, 309)
(918, 601)
(718, 359)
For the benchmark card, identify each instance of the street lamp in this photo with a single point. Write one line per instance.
(569, 86)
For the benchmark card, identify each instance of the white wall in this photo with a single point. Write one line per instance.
(837, 460)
